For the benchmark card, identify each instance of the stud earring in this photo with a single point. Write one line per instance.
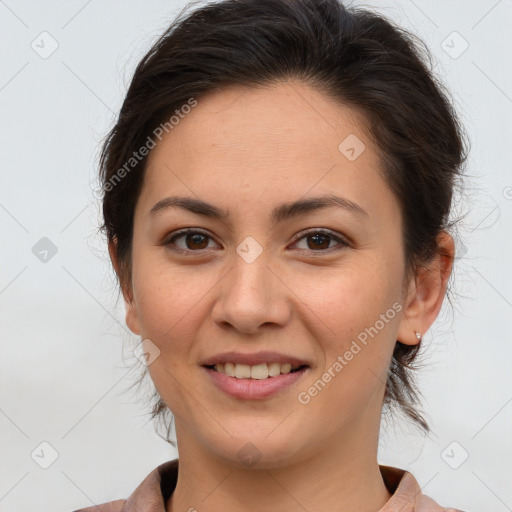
(418, 335)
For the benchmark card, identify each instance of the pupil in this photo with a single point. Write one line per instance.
(196, 239)
(326, 238)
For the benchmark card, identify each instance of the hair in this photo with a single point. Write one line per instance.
(352, 55)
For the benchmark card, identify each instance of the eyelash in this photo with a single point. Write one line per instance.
(326, 232)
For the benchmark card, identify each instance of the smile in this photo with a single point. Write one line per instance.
(257, 371)
(254, 382)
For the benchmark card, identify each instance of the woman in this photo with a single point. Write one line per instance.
(277, 191)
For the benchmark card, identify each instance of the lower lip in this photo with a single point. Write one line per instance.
(253, 389)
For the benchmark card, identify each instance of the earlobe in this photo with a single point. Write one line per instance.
(129, 303)
(426, 293)
(411, 323)
(132, 320)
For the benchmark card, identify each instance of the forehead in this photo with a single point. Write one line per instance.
(265, 143)
(267, 121)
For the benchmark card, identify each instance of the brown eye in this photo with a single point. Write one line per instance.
(194, 241)
(320, 241)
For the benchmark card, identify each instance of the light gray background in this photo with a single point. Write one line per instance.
(64, 379)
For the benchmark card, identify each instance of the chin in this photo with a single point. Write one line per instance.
(250, 450)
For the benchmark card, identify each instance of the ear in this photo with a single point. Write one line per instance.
(131, 311)
(426, 292)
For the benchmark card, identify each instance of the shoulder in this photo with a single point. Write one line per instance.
(425, 504)
(149, 496)
(111, 506)
(407, 495)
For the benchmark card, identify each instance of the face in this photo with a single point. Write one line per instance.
(258, 284)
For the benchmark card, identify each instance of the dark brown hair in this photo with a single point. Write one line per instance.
(353, 55)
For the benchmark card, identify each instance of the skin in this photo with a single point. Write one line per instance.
(248, 151)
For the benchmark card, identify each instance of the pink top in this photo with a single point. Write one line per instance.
(158, 486)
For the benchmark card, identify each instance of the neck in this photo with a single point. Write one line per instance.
(342, 476)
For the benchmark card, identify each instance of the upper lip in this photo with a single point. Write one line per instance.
(253, 359)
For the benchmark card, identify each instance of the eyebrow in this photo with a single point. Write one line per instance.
(279, 214)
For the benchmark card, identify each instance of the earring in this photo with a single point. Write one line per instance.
(418, 335)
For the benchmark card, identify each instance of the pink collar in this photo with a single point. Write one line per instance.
(157, 487)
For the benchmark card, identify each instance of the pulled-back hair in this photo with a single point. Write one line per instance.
(352, 55)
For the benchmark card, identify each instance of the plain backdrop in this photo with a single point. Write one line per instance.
(65, 377)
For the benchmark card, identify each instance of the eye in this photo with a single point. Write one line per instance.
(195, 240)
(320, 240)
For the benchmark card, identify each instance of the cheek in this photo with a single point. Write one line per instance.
(171, 309)
(168, 308)
(353, 315)
(343, 302)
(171, 306)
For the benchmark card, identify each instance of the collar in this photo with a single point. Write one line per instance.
(154, 491)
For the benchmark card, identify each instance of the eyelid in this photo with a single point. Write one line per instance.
(185, 231)
(342, 241)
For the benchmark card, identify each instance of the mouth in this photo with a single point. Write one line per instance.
(254, 376)
(260, 371)
(259, 381)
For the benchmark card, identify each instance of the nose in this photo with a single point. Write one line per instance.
(251, 297)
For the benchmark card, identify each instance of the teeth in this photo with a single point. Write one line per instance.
(229, 369)
(258, 371)
(242, 371)
(274, 369)
(286, 368)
